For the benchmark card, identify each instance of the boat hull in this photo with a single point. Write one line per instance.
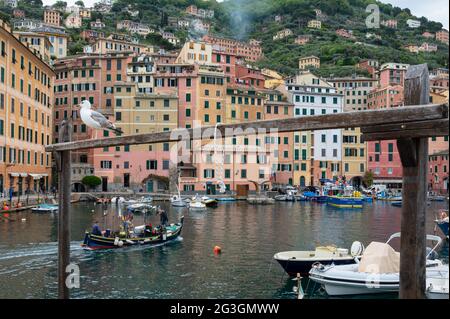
(94, 242)
(345, 202)
(302, 267)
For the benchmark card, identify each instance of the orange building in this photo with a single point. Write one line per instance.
(26, 104)
(52, 17)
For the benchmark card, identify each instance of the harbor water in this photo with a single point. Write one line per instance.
(187, 267)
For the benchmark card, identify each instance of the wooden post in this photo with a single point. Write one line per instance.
(64, 169)
(414, 157)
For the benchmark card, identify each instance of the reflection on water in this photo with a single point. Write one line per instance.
(187, 268)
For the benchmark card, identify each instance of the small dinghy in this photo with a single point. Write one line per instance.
(139, 236)
(376, 272)
(209, 202)
(300, 262)
(177, 201)
(196, 204)
(45, 208)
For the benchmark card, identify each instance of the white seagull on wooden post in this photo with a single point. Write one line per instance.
(96, 119)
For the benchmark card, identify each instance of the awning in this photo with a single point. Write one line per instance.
(24, 174)
(14, 174)
(36, 176)
(387, 181)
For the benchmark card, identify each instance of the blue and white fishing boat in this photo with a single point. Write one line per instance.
(345, 198)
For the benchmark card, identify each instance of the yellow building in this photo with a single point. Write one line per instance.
(109, 45)
(26, 97)
(195, 52)
(309, 61)
(37, 42)
(58, 39)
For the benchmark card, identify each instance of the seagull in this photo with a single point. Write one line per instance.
(96, 119)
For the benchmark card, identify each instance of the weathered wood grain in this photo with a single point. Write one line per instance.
(414, 157)
(317, 122)
(64, 210)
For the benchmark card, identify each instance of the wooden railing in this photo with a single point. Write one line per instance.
(410, 126)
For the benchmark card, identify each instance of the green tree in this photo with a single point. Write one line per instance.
(80, 3)
(91, 181)
(60, 5)
(368, 178)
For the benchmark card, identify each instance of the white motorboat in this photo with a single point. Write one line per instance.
(376, 272)
(142, 200)
(437, 283)
(45, 208)
(197, 204)
(140, 207)
(300, 262)
(177, 201)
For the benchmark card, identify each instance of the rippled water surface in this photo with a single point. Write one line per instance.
(187, 268)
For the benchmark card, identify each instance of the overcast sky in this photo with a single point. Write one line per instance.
(435, 10)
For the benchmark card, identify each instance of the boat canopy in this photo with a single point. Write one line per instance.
(379, 258)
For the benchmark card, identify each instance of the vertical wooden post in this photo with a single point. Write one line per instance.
(64, 169)
(414, 157)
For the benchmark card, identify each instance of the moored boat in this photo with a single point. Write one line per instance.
(209, 202)
(397, 204)
(45, 208)
(376, 272)
(196, 204)
(177, 201)
(345, 201)
(300, 262)
(140, 235)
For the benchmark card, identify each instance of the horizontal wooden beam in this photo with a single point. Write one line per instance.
(304, 123)
(421, 125)
(406, 130)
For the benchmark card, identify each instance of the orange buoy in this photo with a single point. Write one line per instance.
(217, 250)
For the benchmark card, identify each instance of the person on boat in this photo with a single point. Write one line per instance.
(96, 229)
(163, 217)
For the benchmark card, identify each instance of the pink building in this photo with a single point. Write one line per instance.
(384, 162)
(250, 76)
(438, 171)
(228, 62)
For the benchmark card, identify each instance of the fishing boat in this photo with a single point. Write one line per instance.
(442, 222)
(139, 236)
(346, 199)
(209, 202)
(367, 199)
(300, 262)
(45, 208)
(397, 204)
(376, 272)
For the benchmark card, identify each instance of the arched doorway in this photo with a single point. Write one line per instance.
(302, 181)
(356, 181)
